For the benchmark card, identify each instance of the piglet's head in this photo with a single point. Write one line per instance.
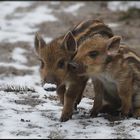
(93, 55)
(54, 57)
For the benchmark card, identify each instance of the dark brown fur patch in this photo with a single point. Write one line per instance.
(89, 28)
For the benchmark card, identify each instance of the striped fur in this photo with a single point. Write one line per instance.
(54, 57)
(85, 30)
(123, 68)
(89, 28)
(129, 53)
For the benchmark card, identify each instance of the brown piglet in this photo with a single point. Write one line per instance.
(55, 56)
(109, 61)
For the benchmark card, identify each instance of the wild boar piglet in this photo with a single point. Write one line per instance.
(108, 59)
(54, 57)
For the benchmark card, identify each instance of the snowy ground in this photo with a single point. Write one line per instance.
(32, 112)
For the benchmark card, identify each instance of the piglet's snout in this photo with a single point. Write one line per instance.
(49, 87)
(73, 66)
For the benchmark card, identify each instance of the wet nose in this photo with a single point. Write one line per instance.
(72, 66)
(49, 87)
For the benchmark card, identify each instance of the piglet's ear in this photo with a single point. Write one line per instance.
(39, 43)
(113, 45)
(69, 43)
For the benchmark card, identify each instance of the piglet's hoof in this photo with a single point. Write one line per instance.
(65, 117)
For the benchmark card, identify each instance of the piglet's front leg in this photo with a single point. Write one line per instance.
(60, 92)
(67, 109)
(99, 90)
(69, 100)
(81, 86)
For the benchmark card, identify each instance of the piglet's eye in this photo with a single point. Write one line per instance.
(93, 54)
(61, 64)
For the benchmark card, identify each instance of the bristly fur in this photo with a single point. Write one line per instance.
(55, 56)
(89, 28)
(122, 68)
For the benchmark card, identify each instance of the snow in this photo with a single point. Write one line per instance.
(15, 65)
(48, 39)
(10, 7)
(74, 8)
(122, 6)
(22, 30)
(113, 25)
(55, 2)
(18, 55)
(32, 115)
(49, 85)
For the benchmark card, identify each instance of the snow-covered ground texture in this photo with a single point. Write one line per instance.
(123, 6)
(26, 109)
